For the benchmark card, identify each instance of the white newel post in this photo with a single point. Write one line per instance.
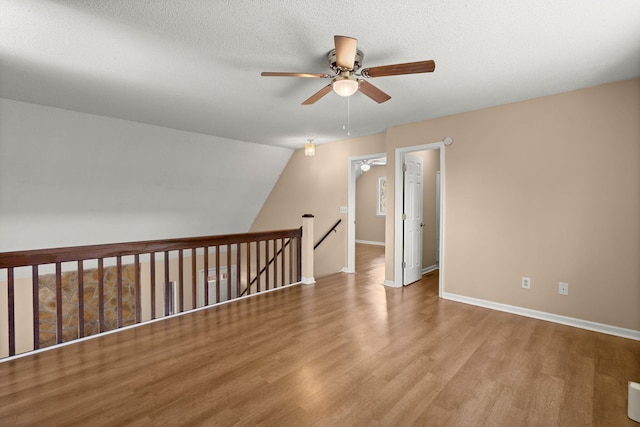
(307, 249)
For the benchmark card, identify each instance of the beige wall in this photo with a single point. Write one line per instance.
(547, 188)
(369, 226)
(317, 185)
(23, 316)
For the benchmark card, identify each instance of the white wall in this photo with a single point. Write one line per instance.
(69, 178)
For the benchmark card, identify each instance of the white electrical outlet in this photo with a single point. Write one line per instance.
(526, 283)
(563, 288)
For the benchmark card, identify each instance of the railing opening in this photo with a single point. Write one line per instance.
(53, 296)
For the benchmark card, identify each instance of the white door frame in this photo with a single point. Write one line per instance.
(398, 235)
(351, 209)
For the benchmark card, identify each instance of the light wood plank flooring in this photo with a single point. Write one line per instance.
(345, 351)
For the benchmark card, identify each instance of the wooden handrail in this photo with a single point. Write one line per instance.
(327, 233)
(109, 250)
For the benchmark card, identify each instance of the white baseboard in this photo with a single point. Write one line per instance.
(390, 283)
(308, 280)
(549, 317)
(369, 242)
(346, 270)
(429, 269)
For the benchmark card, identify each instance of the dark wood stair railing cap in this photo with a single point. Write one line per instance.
(308, 216)
(107, 250)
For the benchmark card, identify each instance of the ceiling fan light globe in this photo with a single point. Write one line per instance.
(345, 86)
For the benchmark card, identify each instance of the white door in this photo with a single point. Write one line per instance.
(413, 221)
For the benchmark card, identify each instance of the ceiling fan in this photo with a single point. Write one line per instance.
(366, 164)
(345, 61)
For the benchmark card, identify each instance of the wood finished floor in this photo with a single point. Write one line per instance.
(345, 351)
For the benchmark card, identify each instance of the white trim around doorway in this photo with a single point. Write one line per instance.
(398, 173)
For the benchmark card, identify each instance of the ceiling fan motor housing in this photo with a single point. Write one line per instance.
(357, 63)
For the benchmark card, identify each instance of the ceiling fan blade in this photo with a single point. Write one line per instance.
(373, 92)
(396, 69)
(345, 51)
(319, 94)
(279, 74)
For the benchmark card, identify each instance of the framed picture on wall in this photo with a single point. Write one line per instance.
(382, 196)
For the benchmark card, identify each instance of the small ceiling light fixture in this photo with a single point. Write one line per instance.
(345, 85)
(365, 166)
(309, 148)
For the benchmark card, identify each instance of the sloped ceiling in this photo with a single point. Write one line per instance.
(195, 64)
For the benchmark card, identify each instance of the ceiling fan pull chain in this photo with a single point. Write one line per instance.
(348, 116)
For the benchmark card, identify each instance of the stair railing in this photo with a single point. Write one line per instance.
(75, 292)
(265, 268)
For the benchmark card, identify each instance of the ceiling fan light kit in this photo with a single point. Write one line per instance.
(345, 85)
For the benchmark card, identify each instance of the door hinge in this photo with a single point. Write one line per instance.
(404, 167)
(404, 264)
(404, 216)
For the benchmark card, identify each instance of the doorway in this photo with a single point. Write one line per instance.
(355, 171)
(436, 230)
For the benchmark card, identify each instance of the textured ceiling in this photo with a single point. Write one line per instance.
(195, 64)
